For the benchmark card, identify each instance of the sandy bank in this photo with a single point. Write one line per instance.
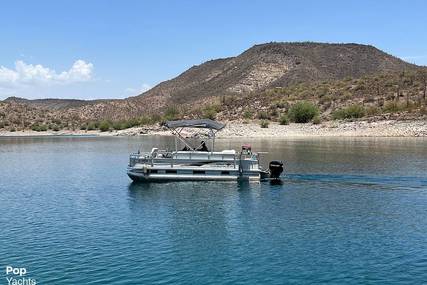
(386, 128)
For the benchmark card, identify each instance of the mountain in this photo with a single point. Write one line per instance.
(257, 72)
(274, 65)
(52, 103)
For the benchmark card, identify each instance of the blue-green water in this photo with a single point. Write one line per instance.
(349, 211)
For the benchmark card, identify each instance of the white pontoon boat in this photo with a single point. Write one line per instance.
(198, 162)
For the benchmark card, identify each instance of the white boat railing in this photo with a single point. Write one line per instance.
(175, 157)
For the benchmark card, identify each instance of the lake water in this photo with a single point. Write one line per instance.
(349, 210)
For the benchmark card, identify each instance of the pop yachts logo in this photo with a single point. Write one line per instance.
(18, 276)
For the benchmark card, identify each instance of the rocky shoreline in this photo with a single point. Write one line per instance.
(235, 129)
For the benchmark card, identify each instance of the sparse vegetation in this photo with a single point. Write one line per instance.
(303, 112)
(171, 113)
(104, 126)
(209, 112)
(317, 120)
(284, 119)
(263, 115)
(350, 112)
(393, 107)
(264, 124)
(92, 126)
(39, 127)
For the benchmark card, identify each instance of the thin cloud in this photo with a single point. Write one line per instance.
(136, 91)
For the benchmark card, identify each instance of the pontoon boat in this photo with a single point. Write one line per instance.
(199, 162)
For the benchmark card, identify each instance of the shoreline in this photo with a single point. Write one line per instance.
(237, 129)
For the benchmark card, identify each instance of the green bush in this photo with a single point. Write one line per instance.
(92, 126)
(155, 118)
(171, 113)
(372, 111)
(392, 107)
(303, 112)
(39, 128)
(104, 126)
(210, 112)
(55, 128)
(317, 120)
(144, 120)
(264, 124)
(120, 125)
(133, 122)
(12, 130)
(350, 112)
(247, 114)
(284, 119)
(263, 115)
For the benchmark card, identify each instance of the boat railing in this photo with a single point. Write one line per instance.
(178, 156)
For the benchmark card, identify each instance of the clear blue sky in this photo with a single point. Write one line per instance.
(117, 48)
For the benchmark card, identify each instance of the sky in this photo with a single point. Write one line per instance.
(115, 49)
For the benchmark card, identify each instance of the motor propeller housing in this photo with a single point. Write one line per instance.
(276, 168)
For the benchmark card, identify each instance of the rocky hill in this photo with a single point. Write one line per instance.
(275, 65)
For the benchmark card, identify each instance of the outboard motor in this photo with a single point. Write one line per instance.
(276, 168)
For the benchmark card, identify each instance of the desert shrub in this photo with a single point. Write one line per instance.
(144, 120)
(325, 99)
(120, 125)
(248, 114)
(12, 130)
(104, 126)
(39, 128)
(372, 111)
(132, 122)
(155, 118)
(263, 115)
(264, 124)
(284, 119)
(210, 112)
(350, 112)
(83, 127)
(2, 125)
(92, 126)
(273, 113)
(303, 112)
(392, 107)
(227, 100)
(56, 121)
(171, 113)
(55, 128)
(316, 120)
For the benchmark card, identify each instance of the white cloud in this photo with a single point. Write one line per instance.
(137, 91)
(29, 74)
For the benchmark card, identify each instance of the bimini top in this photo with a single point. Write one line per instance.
(204, 124)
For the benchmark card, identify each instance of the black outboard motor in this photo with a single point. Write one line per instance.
(276, 168)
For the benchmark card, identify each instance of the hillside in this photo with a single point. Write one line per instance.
(275, 65)
(330, 75)
(52, 103)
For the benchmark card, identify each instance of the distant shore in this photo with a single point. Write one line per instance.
(234, 129)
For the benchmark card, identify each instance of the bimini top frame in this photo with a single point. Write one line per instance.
(177, 126)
